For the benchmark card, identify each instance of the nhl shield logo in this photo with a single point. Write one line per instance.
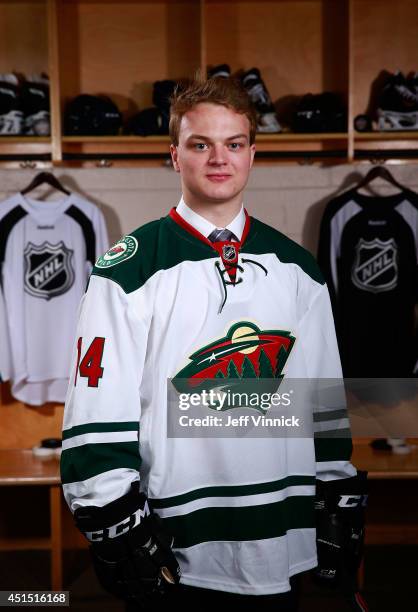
(48, 269)
(229, 252)
(375, 267)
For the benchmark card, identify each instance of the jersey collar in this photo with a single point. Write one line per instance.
(205, 227)
(174, 215)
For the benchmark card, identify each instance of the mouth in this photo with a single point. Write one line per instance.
(218, 178)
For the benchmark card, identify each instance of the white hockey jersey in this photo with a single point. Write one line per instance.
(241, 509)
(47, 251)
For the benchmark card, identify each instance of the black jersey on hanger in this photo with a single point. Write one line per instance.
(368, 254)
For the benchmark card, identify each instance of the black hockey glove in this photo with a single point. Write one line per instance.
(131, 553)
(339, 512)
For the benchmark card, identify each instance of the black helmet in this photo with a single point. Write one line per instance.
(162, 92)
(149, 122)
(154, 120)
(320, 113)
(92, 116)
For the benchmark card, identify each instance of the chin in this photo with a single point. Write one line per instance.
(221, 194)
(220, 198)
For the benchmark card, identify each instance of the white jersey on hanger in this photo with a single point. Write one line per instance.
(47, 250)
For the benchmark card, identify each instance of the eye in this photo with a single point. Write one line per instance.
(200, 146)
(235, 146)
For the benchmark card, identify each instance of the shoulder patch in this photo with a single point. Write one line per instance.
(122, 250)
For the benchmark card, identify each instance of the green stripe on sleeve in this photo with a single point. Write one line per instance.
(89, 460)
(242, 524)
(330, 415)
(78, 430)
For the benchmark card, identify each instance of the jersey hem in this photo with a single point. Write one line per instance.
(25, 399)
(281, 587)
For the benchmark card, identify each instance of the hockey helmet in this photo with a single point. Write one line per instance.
(88, 115)
(149, 122)
(320, 113)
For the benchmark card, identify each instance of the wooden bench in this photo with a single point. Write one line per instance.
(22, 468)
(392, 515)
(386, 465)
(386, 517)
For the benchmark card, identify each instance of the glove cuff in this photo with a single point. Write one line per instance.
(342, 494)
(115, 519)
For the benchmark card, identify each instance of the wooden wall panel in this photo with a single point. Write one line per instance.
(385, 37)
(300, 46)
(23, 37)
(121, 49)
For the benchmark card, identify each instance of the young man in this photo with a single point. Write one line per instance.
(207, 292)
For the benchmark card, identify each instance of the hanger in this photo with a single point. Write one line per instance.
(44, 177)
(379, 172)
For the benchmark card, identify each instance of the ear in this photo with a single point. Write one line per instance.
(252, 149)
(174, 157)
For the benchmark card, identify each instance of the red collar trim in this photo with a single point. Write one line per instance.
(246, 229)
(189, 228)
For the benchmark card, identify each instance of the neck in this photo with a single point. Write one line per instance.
(218, 213)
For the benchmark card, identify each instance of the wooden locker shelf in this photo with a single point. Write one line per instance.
(25, 544)
(387, 141)
(291, 142)
(114, 145)
(20, 145)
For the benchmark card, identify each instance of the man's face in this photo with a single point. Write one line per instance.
(214, 155)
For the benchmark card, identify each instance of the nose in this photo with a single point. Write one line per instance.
(217, 156)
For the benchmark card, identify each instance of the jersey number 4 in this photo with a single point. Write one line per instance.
(90, 366)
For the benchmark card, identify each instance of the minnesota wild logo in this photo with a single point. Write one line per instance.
(121, 251)
(245, 354)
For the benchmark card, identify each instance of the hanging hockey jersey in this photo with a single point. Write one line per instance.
(160, 305)
(368, 254)
(47, 250)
